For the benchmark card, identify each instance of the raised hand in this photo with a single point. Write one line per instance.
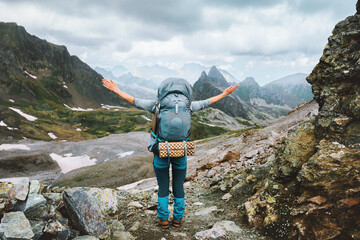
(231, 89)
(224, 94)
(112, 86)
(109, 85)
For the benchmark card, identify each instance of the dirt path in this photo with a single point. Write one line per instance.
(203, 210)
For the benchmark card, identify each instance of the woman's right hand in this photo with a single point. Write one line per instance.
(109, 85)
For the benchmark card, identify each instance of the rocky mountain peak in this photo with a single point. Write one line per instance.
(214, 73)
(249, 81)
(203, 75)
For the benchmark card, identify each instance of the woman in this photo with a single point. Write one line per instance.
(161, 165)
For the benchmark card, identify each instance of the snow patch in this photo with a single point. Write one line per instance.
(10, 100)
(124, 154)
(27, 116)
(2, 124)
(78, 130)
(146, 118)
(69, 163)
(52, 135)
(14, 180)
(65, 86)
(135, 184)
(78, 108)
(108, 107)
(13, 146)
(30, 75)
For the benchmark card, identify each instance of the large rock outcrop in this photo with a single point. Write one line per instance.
(313, 188)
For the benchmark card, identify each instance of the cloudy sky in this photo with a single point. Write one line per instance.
(265, 39)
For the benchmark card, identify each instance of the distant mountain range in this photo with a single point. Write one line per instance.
(252, 102)
(157, 73)
(288, 91)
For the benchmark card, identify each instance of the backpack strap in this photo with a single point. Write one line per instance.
(185, 153)
(168, 150)
(157, 109)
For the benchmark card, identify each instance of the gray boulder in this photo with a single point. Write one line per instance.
(84, 214)
(14, 225)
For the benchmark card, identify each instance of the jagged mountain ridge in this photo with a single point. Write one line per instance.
(135, 86)
(287, 91)
(213, 84)
(157, 73)
(246, 102)
(36, 71)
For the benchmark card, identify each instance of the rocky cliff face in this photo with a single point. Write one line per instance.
(313, 187)
(336, 85)
(34, 70)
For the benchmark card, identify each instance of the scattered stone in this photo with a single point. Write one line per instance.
(318, 200)
(349, 202)
(198, 203)
(123, 235)
(261, 151)
(35, 206)
(54, 228)
(135, 204)
(322, 232)
(150, 212)
(228, 226)
(179, 235)
(85, 216)
(116, 225)
(211, 173)
(37, 227)
(212, 233)
(206, 211)
(86, 237)
(226, 197)
(135, 226)
(252, 153)
(15, 225)
(55, 199)
(34, 187)
(20, 190)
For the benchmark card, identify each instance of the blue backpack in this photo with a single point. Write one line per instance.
(174, 110)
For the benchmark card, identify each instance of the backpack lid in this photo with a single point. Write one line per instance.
(174, 85)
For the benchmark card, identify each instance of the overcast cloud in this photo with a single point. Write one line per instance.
(259, 38)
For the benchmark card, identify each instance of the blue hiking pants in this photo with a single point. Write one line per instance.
(161, 168)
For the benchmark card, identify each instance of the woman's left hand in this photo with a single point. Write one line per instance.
(231, 89)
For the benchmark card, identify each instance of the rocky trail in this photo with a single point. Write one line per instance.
(207, 216)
